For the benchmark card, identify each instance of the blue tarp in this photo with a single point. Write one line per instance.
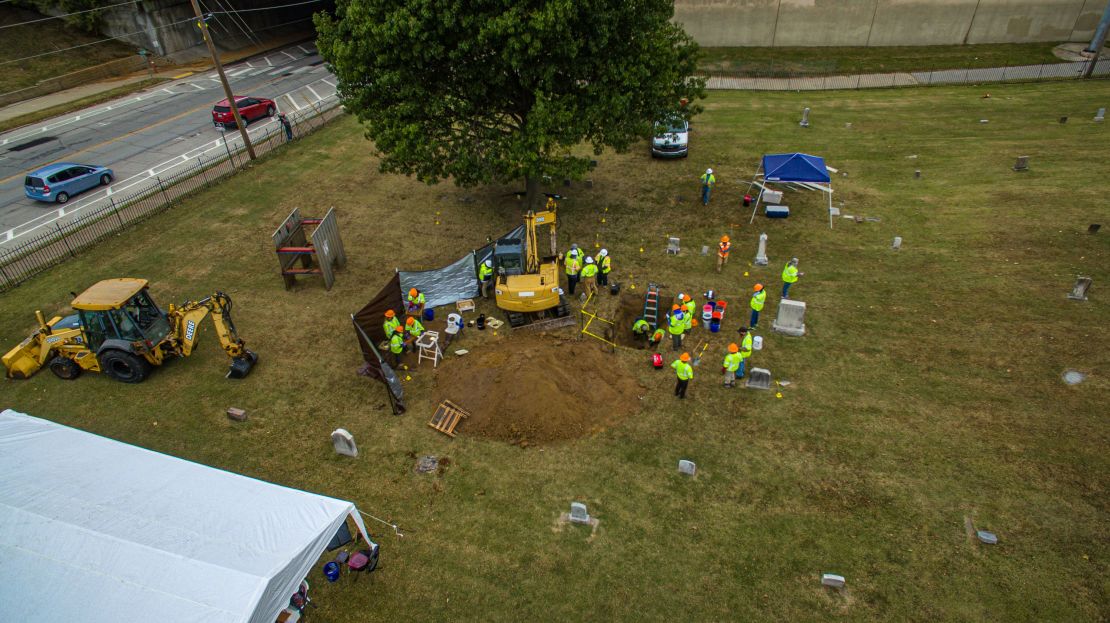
(795, 168)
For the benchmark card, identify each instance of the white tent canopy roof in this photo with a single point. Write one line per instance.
(93, 529)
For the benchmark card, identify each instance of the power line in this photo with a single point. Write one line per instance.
(271, 8)
(83, 45)
(46, 19)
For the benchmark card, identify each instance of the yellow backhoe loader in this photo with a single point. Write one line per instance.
(119, 330)
(527, 286)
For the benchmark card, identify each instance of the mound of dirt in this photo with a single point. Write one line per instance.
(530, 390)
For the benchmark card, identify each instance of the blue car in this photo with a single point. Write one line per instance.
(62, 180)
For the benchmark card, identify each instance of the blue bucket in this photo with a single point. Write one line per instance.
(429, 314)
(331, 571)
(714, 326)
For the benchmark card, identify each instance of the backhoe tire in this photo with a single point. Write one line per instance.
(65, 369)
(124, 367)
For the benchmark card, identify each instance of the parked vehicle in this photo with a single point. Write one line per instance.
(61, 181)
(671, 140)
(250, 109)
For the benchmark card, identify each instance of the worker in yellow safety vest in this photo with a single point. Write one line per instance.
(573, 262)
(413, 328)
(732, 363)
(390, 323)
(640, 329)
(790, 276)
(707, 184)
(397, 344)
(676, 326)
(684, 373)
(604, 265)
(656, 338)
(589, 277)
(745, 350)
(690, 309)
(414, 302)
(758, 298)
(723, 248)
(485, 277)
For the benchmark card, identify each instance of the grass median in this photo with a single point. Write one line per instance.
(926, 395)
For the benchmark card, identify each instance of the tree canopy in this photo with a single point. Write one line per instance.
(485, 90)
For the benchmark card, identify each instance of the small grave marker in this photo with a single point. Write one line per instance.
(832, 580)
(239, 415)
(760, 378)
(987, 537)
(673, 246)
(761, 254)
(1022, 163)
(1100, 115)
(704, 250)
(1073, 377)
(1093, 228)
(1063, 119)
(1079, 291)
(578, 513)
(687, 467)
(917, 174)
(344, 442)
(897, 243)
(805, 118)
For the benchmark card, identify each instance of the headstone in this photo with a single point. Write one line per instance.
(832, 580)
(1022, 163)
(344, 442)
(578, 513)
(1079, 292)
(805, 118)
(760, 378)
(1093, 228)
(897, 243)
(757, 342)
(848, 126)
(704, 250)
(1063, 119)
(238, 415)
(1073, 377)
(761, 254)
(1100, 115)
(687, 467)
(917, 174)
(791, 318)
(589, 183)
(987, 537)
(673, 246)
(427, 464)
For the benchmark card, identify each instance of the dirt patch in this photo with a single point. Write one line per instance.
(530, 390)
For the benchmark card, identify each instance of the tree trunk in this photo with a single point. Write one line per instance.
(531, 193)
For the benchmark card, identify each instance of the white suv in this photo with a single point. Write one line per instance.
(671, 140)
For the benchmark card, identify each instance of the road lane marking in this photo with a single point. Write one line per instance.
(289, 55)
(286, 96)
(313, 91)
(184, 75)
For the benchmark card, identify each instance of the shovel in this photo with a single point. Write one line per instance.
(697, 360)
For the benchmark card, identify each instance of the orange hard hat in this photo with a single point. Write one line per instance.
(410, 320)
(733, 348)
(758, 287)
(686, 297)
(398, 329)
(389, 313)
(675, 308)
(685, 357)
(413, 292)
(724, 238)
(693, 322)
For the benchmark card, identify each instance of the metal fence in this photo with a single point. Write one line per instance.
(59, 241)
(111, 69)
(769, 79)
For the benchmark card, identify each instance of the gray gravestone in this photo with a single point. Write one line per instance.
(1079, 292)
(917, 174)
(344, 442)
(760, 378)
(1100, 115)
(578, 513)
(1093, 228)
(1022, 163)
(832, 580)
(761, 254)
(1063, 120)
(805, 118)
(672, 246)
(988, 538)
(897, 243)
(791, 318)
(704, 250)
(687, 467)
(848, 126)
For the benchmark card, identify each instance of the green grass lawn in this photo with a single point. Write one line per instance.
(32, 39)
(926, 394)
(853, 60)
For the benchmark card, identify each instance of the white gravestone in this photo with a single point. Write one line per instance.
(761, 254)
(578, 513)
(760, 378)
(805, 118)
(344, 442)
(1079, 292)
(791, 318)
(687, 467)
(832, 580)
(1100, 115)
(673, 246)
(897, 243)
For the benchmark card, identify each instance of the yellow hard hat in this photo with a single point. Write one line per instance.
(733, 348)
(685, 357)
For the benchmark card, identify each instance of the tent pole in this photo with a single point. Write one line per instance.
(830, 205)
(755, 204)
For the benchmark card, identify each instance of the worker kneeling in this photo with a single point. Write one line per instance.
(640, 329)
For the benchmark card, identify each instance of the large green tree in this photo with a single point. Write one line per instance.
(485, 90)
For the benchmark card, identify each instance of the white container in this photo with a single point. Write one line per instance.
(757, 342)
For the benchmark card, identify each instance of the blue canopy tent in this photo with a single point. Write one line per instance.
(796, 171)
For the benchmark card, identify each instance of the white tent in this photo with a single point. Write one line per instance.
(93, 529)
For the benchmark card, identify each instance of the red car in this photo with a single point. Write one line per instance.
(250, 109)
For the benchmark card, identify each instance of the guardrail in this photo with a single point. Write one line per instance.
(60, 241)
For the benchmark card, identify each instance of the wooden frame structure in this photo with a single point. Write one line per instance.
(447, 417)
(319, 251)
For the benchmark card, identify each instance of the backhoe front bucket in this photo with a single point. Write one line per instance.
(22, 361)
(241, 366)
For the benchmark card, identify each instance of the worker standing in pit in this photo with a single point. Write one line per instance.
(397, 344)
(758, 298)
(573, 263)
(732, 363)
(676, 326)
(640, 329)
(745, 350)
(790, 276)
(414, 302)
(684, 373)
(485, 277)
(604, 266)
(589, 277)
(723, 248)
(390, 323)
(707, 184)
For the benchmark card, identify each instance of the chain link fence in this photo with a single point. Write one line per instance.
(766, 79)
(66, 237)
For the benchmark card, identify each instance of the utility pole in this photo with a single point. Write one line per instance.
(203, 25)
(1099, 40)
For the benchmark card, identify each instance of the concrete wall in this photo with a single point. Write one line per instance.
(769, 23)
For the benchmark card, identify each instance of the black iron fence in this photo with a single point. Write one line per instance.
(53, 243)
(769, 79)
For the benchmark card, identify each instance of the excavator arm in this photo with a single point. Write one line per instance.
(186, 321)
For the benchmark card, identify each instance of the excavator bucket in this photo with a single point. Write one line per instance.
(241, 366)
(23, 360)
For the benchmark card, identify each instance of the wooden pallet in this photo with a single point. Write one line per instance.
(447, 417)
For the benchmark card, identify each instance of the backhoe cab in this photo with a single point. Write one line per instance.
(119, 330)
(527, 286)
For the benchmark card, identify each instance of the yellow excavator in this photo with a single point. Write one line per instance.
(527, 286)
(120, 331)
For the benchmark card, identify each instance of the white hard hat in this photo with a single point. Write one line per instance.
(603, 252)
(709, 171)
(489, 263)
(793, 260)
(589, 260)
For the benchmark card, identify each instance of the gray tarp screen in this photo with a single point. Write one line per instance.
(456, 281)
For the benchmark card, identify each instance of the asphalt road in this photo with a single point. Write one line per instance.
(147, 133)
